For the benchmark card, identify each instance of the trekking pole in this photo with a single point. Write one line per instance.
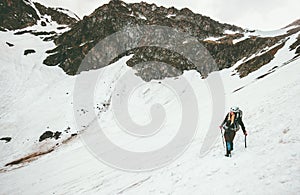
(245, 141)
(222, 137)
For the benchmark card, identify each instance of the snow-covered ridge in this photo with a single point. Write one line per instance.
(251, 33)
(68, 12)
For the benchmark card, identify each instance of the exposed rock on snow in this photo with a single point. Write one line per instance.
(49, 134)
(29, 51)
(6, 139)
(10, 44)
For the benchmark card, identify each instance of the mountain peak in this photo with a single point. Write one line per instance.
(295, 23)
(18, 14)
(116, 15)
(227, 44)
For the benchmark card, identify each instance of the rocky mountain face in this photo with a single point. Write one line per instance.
(19, 14)
(110, 18)
(16, 14)
(296, 46)
(227, 44)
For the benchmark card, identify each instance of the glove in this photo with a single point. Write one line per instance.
(245, 133)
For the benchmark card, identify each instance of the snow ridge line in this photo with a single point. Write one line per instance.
(134, 185)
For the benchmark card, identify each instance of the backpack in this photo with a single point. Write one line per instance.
(232, 123)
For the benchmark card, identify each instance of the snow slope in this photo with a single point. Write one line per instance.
(35, 98)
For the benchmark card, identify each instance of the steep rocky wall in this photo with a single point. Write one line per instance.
(16, 14)
(73, 45)
(258, 61)
(59, 17)
(110, 18)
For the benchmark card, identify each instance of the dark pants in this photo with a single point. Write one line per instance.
(229, 136)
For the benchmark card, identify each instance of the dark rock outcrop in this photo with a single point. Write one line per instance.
(295, 23)
(296, 46)
(49, 134)
(18, 14)
(56, 15)
(258, 61)
(74, 45)
(45, 135)
(29, 51)
(6, 139)
(56, 135)
(10, 44)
